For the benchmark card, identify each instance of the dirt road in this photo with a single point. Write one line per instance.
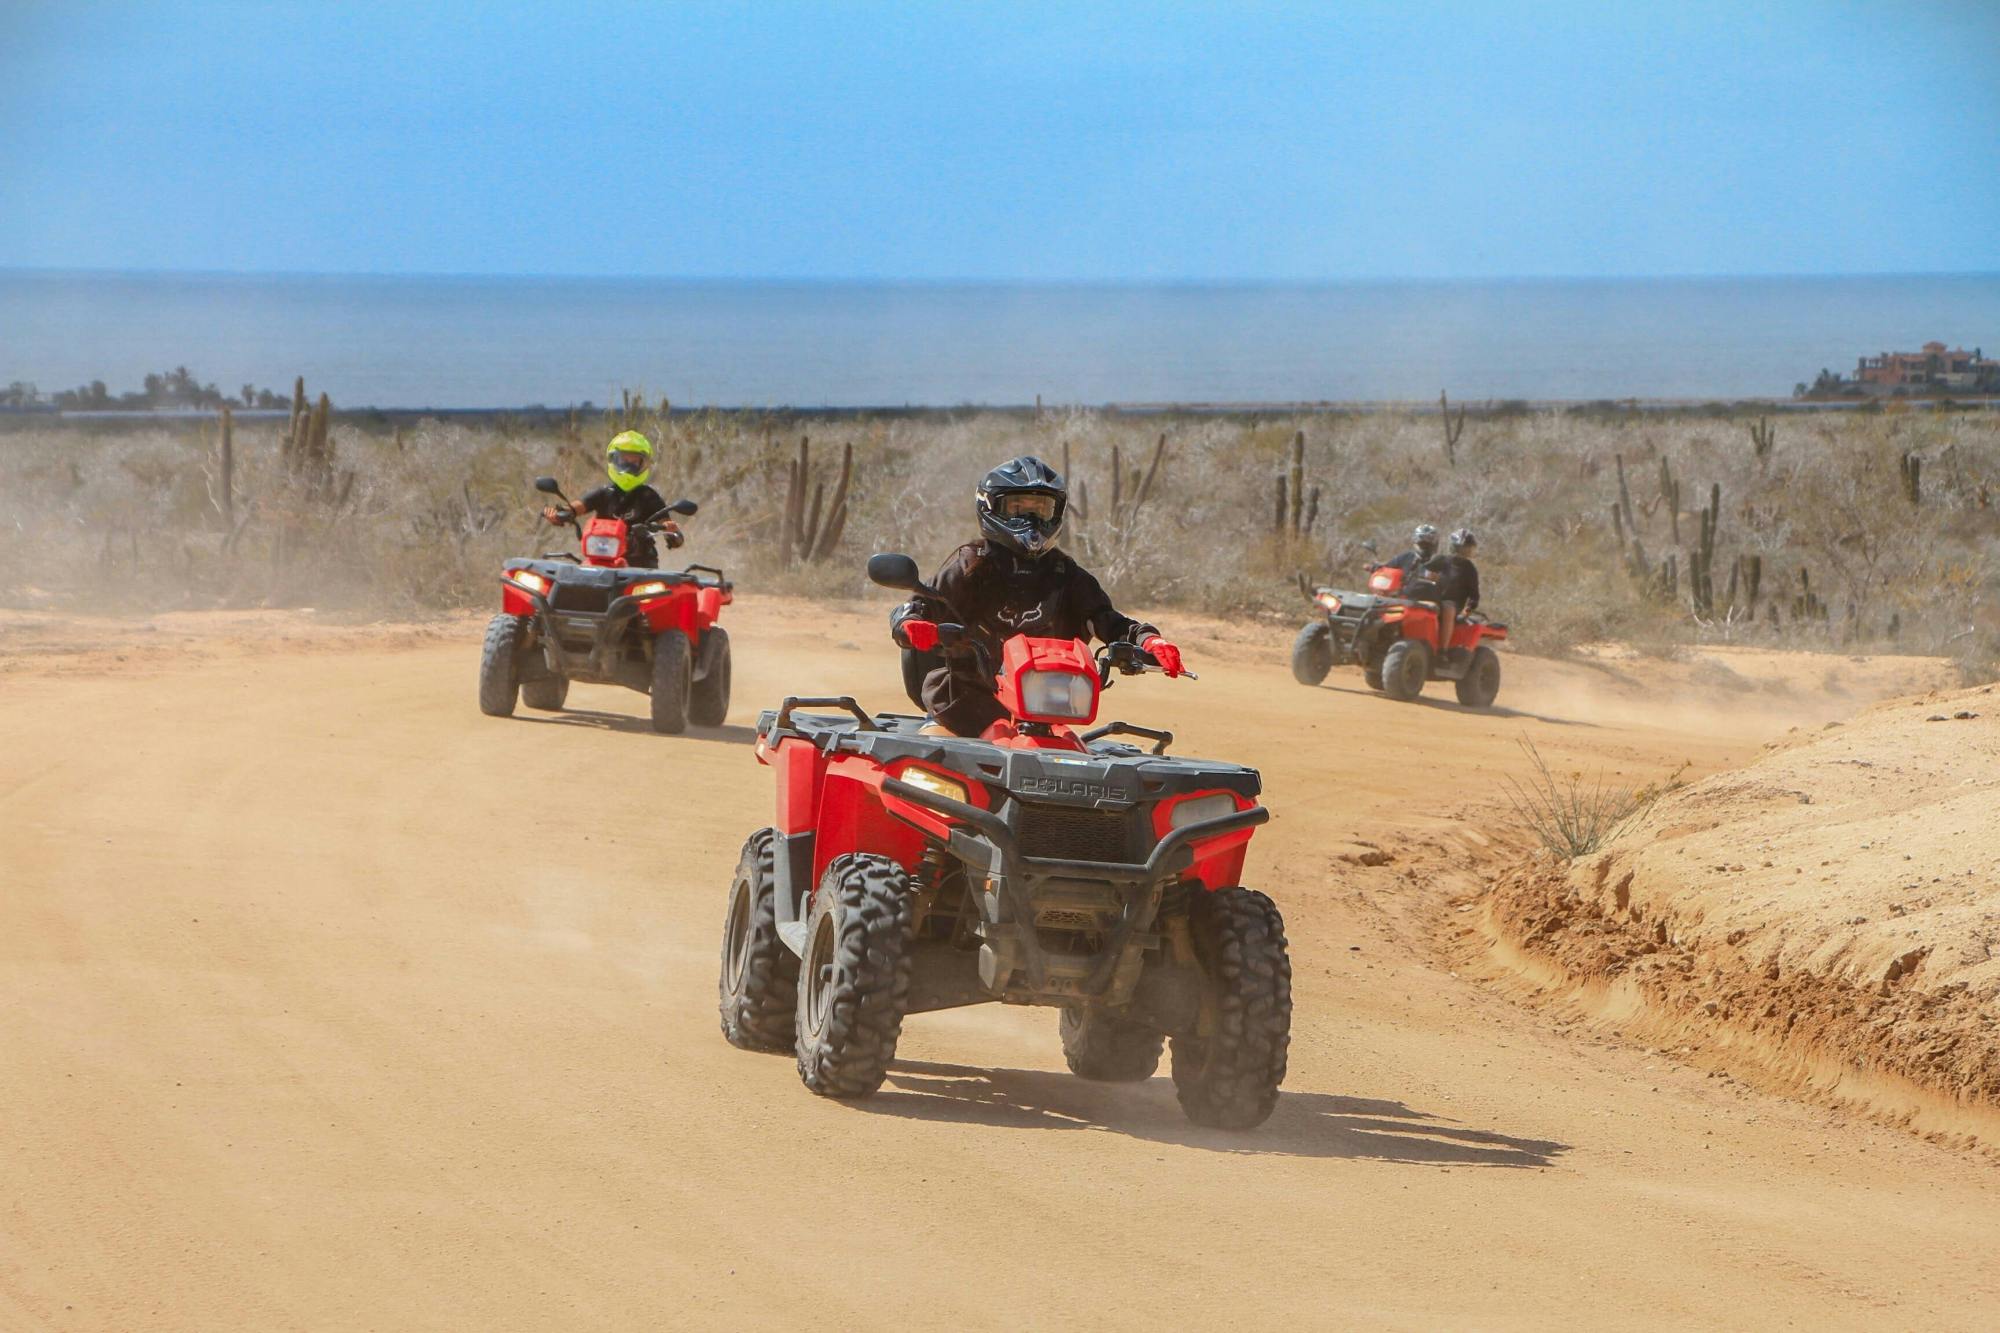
(326, 1002)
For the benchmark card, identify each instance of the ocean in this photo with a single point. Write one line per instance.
(465, 342)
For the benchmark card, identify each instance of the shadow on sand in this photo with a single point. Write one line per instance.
(729, 733)
(1453, 706)
(1306, 1124)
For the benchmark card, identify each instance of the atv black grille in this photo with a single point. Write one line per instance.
(1066, 833)
(581, 597)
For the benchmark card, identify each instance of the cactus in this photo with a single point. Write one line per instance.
(1452, 429)
(810, 530)
(1912, 469)
(1762, 436)
(1701, 562)
(1670, 496)
(1298, 480)
(228, 467)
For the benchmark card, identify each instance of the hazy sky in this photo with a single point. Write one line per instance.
(1005, 140)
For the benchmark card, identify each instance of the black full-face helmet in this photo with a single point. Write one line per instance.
(1425, 540)
(1021, 507)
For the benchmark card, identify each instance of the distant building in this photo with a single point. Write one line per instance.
(1935, 368)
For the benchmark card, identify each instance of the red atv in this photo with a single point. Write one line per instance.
(1036, 864)
(601, 621)
(1393, 637)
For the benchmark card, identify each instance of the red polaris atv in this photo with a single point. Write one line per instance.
(1393, 636)
(601, 621)
(1036, 864)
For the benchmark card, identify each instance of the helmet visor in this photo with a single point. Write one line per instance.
(1026, 504)
(629, 462)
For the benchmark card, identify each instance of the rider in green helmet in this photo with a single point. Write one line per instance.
(628, 461)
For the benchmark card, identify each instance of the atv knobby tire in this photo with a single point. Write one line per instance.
(1105, 1047)
(499, 671)
(548, 694)
(855, 984)
(1480, 685)
(1312, 653)
(670, 682)
(1406, 668)
(759, 987)
(1371, 670)
(1228, 1074)
(708, 698)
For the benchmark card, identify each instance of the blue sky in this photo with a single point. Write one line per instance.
(1003, 141)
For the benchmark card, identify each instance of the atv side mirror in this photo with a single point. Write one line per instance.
(683, 507)
(895, 571)
(547, 485)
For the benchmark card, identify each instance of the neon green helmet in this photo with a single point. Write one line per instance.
(628, 460)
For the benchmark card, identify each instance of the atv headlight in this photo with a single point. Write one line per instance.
(1327, 599)
(600, 546)
(934, 783)
(529, 579)
(1197, 808)
(1055, 694)
(650, 588)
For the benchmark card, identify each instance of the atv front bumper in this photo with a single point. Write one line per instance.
(1015, 891)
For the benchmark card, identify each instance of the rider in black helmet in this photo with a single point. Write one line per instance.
(1423, 547)
(1014, 580)
(1456, 581)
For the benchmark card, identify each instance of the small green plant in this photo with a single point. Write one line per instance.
(1569, 814)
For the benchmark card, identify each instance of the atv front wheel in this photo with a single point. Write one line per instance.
(1108, 1048)
(1480, 685)
(548, 694)
(1312, 653)
(708, 701)
(1371, 670)
(759, 988)
(1405, 669)
(855, 984)
(1228, 1074)
(670, 682)
(499, 675)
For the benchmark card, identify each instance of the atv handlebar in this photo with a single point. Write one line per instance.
(1128, 659)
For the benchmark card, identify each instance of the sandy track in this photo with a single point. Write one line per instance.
(326, 1002)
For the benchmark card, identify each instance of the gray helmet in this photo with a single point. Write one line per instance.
(1021, 506)
(1462, 540)
(1425, 539)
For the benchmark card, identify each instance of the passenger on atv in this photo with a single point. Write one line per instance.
(628, 462)
(1013, 580)
(1452, 581)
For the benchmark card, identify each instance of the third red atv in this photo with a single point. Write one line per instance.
(1392, 637)
(910, 870)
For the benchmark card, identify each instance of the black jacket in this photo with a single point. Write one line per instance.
(634, 506)
(996, 594)
(1456, 579)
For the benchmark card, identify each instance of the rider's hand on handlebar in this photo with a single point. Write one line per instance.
(672, 532)
(921, 635)
(557, 515)
(1168, 656)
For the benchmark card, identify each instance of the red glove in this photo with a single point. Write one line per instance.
(921, 635)
(1168, 656)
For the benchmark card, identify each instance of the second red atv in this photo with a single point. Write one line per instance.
(602, 621)
(1036, 864)
(1393, 636)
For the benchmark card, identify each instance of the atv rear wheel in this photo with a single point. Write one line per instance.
(1480, 685)
(670, 682)
(1406, 668)
(1312, 653)
(499, 674)
(759, 987)
(1108, 1048)
(548, 694)
(708, 699)
(1228, 1076)
(855, 985)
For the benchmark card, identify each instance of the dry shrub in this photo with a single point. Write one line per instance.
(126, 512)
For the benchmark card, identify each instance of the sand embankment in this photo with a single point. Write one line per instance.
(1832, 911)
